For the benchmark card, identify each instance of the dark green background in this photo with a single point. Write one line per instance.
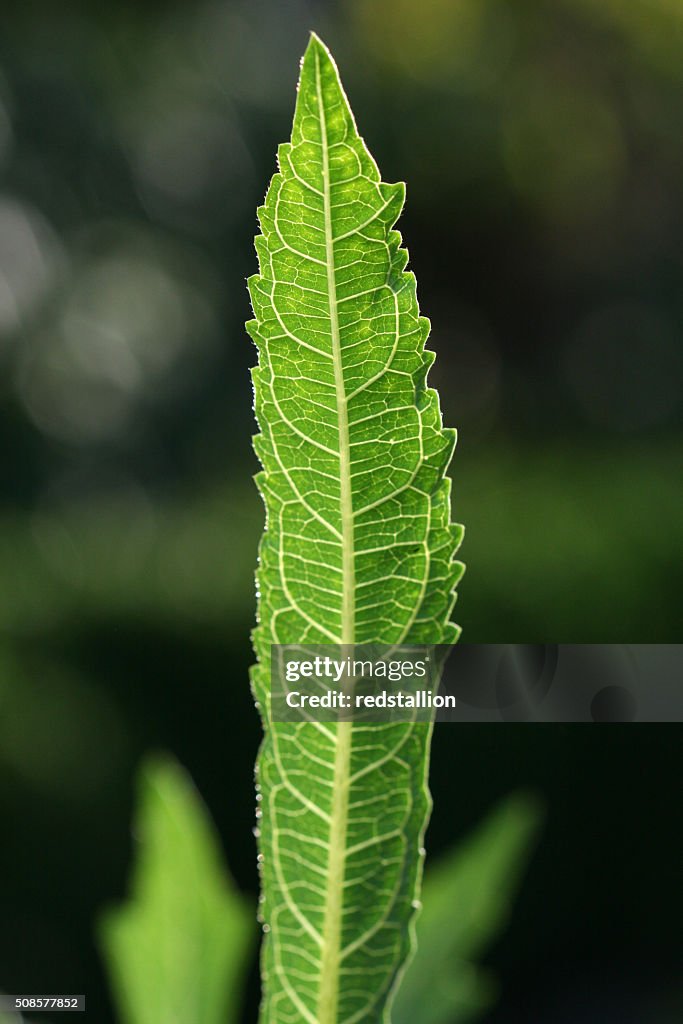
(542, 150)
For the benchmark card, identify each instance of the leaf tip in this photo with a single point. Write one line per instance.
(315, 41)
(319, 50)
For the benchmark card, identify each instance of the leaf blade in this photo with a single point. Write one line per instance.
(358, 548)
(176, 951)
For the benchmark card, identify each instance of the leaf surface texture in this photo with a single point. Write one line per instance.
(358, 548)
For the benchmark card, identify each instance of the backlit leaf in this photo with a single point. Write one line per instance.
(358, 548)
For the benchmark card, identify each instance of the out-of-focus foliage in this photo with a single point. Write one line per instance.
(652, 30)
(178, 951)
(161, 963)
(11, 1018)
(466, 899)
(131, 147)
(189, 564)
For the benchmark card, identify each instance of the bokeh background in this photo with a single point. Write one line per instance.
(541, 143)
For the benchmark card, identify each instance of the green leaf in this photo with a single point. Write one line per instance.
(11, 1018)
(177, 951)
(358, 548)
(467, 898)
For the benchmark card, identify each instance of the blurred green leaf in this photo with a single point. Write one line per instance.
(466, 900)
(177, 951)
(76, 567)
(11, 1018)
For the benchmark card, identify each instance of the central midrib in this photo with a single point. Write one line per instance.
(328, 992)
